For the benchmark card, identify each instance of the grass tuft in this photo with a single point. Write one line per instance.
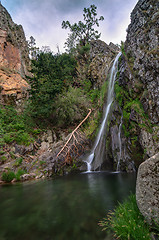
(126, 222)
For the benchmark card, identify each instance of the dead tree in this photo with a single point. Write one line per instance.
(74, 145)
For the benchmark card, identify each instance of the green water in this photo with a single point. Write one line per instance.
(68, 208)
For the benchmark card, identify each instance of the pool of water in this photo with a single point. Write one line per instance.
(68, 208)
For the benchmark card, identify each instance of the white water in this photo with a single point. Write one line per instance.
(110, 97)
(120, 147)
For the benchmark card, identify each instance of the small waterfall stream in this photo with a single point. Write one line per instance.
(97, 152)
(120, 147)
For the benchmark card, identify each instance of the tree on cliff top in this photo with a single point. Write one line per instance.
(83, 32)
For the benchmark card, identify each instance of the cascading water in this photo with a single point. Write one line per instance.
(120, 147)
(97, 153)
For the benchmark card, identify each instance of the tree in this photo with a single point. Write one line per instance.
(33, 50)
(52, 74)
(83, 32)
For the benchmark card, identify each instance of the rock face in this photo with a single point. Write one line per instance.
(147, 189)
(96, 63)
(101, 56)
(14, 61)
(136, 91)
(142, 49)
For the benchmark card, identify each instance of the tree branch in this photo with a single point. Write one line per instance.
(72, 134)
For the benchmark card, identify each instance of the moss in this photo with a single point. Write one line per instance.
(123, 48)
(126, 132)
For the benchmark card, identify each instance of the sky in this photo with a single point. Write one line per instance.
(42, 18)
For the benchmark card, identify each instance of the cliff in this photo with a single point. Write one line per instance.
(136, 91)
(14, 61)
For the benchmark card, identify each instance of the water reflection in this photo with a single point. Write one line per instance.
(65, 208)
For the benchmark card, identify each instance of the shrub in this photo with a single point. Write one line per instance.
(19, 173)
(8, 176)
(15, 127)
(18, 162)
(70, 107)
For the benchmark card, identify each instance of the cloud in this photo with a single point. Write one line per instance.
(42, 18)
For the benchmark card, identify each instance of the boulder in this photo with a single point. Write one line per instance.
(147, 189)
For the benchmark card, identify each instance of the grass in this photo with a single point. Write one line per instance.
(126, 222)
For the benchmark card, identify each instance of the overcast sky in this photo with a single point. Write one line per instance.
(42, 18)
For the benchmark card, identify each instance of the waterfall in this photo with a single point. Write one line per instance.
(97, 153)
(119, 140)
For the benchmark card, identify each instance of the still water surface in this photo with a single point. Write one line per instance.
(68, 208)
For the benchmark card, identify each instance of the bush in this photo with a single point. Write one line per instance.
(19, 173)
(127, 222)
(8, 176)
(70, 107)
(18, 162)
(15, 127)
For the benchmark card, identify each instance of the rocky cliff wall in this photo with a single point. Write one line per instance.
(14, 61)
(137, 91)
(142, 50)
(96, 63)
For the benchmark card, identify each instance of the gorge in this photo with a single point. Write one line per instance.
(42, 103)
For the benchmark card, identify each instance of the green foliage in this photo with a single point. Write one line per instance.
(128, 103)
(127, 222)
(83, 32)
(18, 162)
(120, 94)
(8, 176)
(94, 94)
(15, 127)
(19, 173)
(52, 74)
(82, 50)
(71, 106)
(42, 163)
(12, 155)
(103, 91)
(123, 48)
(3, 159)
(1, 152)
